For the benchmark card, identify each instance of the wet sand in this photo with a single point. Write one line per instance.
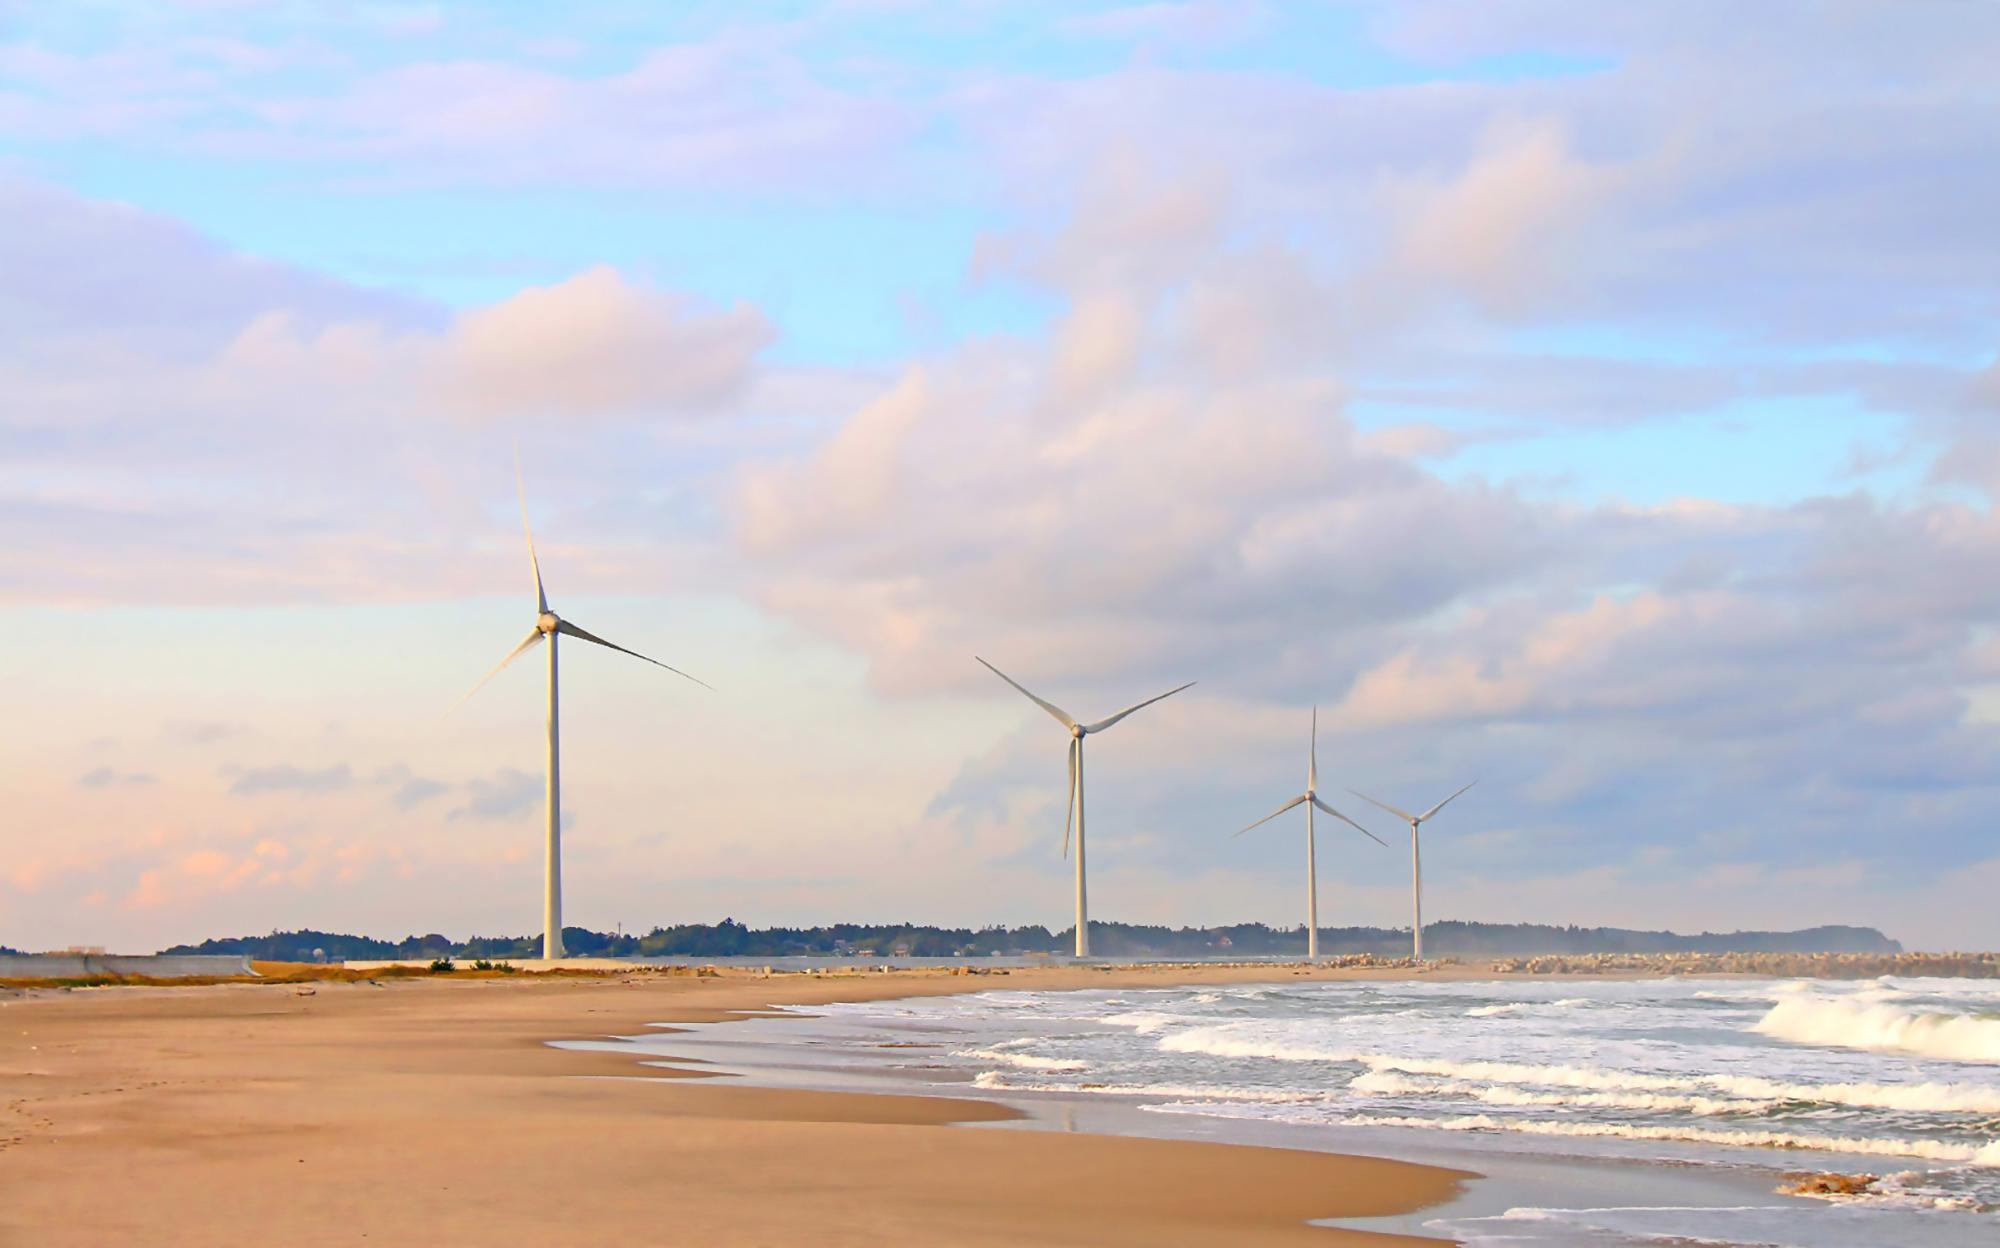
(432, 1111)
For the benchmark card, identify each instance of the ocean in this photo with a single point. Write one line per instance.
(1653, 1083)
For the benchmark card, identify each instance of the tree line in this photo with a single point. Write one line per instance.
(1115, 940)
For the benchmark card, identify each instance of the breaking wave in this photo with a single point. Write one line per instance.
(1522, 1007)
(1873, 1024)
(1145, 1022)
(1022, 1061)
(1389, 1083)
(1910, 1097)
(998, 1081)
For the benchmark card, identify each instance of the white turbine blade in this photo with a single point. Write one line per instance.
(1297, 801)
(513, 654)
(568, 629)
(1312, 759)
(521, 492)
(1400, 814)
(1350, 823)
(1069, 811)
(1446, 802)
(1061, 715)
(1102, 724)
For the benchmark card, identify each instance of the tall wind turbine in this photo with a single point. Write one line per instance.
(1310, 800)
(1416, 861)
(1077, 732)
(548, 627)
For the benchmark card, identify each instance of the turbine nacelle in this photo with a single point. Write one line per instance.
(1077, 730)
(548, 622)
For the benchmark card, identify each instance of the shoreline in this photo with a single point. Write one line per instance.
(438, 1111)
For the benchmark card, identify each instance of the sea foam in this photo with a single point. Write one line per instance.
(1928, 1150)
(1023, 1061)
(1929, 1097)
(1850, 1023)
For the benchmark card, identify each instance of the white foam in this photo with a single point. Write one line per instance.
(1916, 1098)
(997, 1081)
(1145, 1022)
(1024, 1061)
(1522, 1007)
(1928, 1150)
(1388, 1083)
(1227, 1041)
(1913, 1097)
(1854, 1023)
(1906, 1190)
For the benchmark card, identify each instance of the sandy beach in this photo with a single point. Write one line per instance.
(432, 1111)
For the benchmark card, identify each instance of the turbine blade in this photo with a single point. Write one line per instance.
(1400, 814)
(1102, 724)
(521, 492)
(513, 654)
(1062, 716)
(568, 629)
(1299, 800)
(1350, 823)
(1446, 802)
(1312, 759)
(1069, 811)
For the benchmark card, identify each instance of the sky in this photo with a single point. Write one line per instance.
(1598, 401)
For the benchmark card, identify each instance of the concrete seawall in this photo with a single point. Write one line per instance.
(88, 965)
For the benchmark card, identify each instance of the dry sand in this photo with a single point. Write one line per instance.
(431, 1112)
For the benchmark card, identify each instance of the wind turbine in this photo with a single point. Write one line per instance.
(1077, 732)
(548, 627)
(1416, 860)
(1310, 799)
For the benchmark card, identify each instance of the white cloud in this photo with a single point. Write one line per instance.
(597, 344)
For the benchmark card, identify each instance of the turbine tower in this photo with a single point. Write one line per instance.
(1077, 732)
(548, 627)
(1310, 800)
(1416, 861)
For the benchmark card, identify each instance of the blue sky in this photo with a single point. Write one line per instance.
(1572, 396)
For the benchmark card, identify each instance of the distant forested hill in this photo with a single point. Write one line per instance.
(1114, 940)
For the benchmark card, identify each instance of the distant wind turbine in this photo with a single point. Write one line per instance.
(1077, 732)
(549, 626)
(1310, 800)
(1416, 860)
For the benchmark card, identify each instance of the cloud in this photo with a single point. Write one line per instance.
(745, 105)
(506, 792)
(1514, 227)
(81, 270)
(597, 344)
(286, 778)
(110, 778)
(1415, 441)
(217, 436)
(409, 790)
(1165, 510)
(201, 874)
